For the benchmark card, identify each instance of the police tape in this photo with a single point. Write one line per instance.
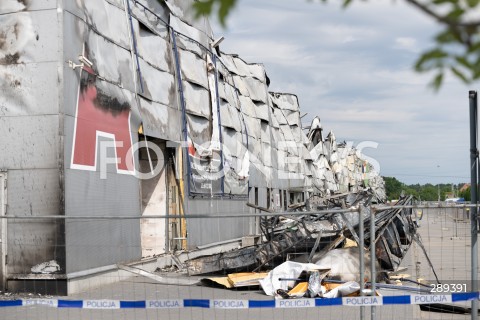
(243, 304)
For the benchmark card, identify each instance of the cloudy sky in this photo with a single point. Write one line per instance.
(353, 68)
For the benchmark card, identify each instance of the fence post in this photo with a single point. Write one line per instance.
(373, 258)
(361, 247)
(472, 95)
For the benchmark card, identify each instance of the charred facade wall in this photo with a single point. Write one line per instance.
(31, 130)
(86, 80)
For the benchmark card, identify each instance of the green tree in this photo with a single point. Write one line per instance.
(465, 194)
(457, 44)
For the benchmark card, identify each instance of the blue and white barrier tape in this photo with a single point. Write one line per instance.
(243, 304)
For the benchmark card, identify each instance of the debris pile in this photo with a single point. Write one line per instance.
(327, 241)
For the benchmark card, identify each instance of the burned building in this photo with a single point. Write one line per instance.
(116, 109)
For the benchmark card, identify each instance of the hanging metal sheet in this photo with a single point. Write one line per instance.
(257, 71)
(253, 126)
(279, 116)
(235, 185)
(106, 57)
(194, 69)
(239, 83)
(262, 111)
(274, 157)
(250, 69)
(267, 154)
(297, 134)
(255, 148)
(160, 121)
(199, 129)
(228, 62)
(305, 154)
(257, 90)
(265, 132)
(293, 117)
(276, 136)
(287, 133)
(114, 28)
(230, 116)
(232, 141)
(228, 93)
(198, 36)
(197, 100)
(248, 107)
(142, 11)
(184, 10)
(273, 119)
(282, 162)
(158, 86)
(154, 49)
(285, 101)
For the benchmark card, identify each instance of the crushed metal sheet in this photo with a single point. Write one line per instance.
(217, 281)
(285, 101)
(236, 280)
(245, 279)
(299, 290)
(46, 267)
(156, 277)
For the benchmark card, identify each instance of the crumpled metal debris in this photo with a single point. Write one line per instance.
(284, 276)
(46, 267)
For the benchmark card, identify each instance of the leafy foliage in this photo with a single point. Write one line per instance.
(457, 45)
(426, 192)
(205, 8)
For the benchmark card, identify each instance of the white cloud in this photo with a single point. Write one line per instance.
(406, 43)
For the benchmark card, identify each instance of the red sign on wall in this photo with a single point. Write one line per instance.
(99, 114)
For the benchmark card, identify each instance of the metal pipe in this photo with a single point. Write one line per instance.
(134, 42)
(178, 74)
(373, 259)
(220, 136)
(361, 247)
(472, 95)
